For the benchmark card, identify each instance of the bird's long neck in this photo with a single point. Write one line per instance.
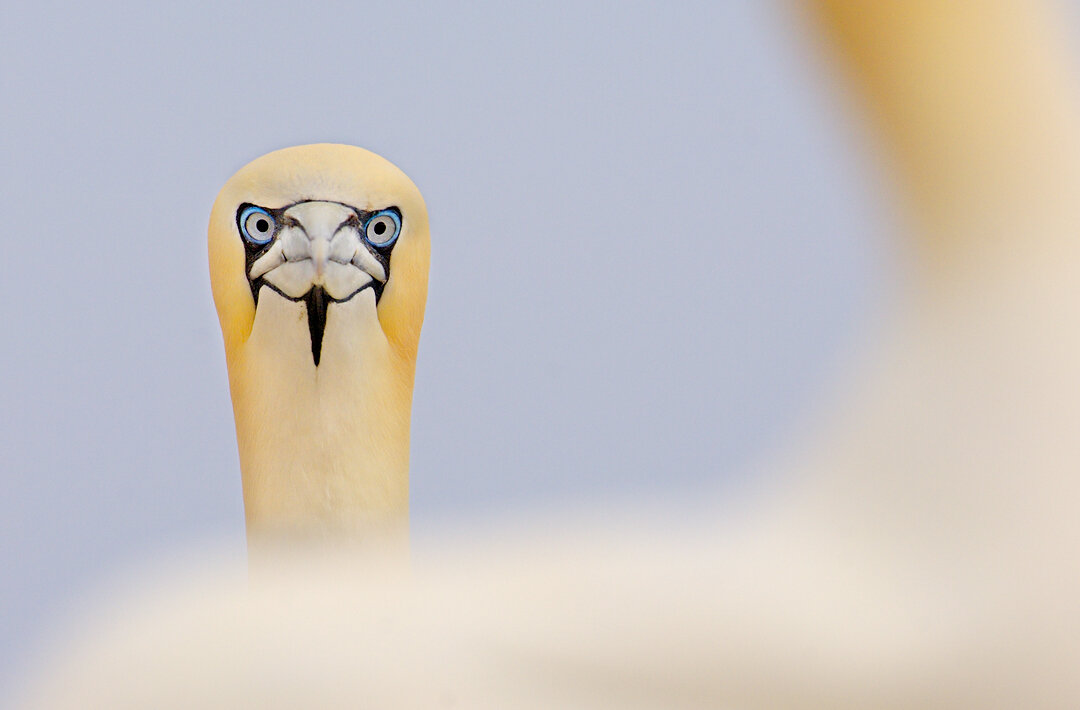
(324, 451)
(976, 107)
(962, 427)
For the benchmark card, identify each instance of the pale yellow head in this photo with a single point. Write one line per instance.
(318, 263)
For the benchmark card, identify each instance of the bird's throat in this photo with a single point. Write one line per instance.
(324, 451)
(316, 302)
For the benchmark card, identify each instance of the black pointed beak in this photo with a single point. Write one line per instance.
(316, 302)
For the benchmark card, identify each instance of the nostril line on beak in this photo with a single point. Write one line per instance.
(320, 251)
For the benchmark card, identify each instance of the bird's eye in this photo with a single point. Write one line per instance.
(383, 228)
(257, 225)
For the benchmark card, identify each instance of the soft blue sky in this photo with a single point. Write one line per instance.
(654, 230)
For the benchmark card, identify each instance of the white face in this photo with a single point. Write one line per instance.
(319, 252)
(316, 243)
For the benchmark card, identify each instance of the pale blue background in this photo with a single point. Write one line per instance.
(655, 229)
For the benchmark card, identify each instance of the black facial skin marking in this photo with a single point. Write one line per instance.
(316, 299)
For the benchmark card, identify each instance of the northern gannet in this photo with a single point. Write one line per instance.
(318, 264)
(926, 559)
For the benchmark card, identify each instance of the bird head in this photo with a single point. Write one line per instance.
(320, 225)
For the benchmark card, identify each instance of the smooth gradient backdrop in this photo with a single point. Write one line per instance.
(656, 230)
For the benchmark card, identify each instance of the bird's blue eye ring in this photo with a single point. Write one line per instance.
(382, 228)
(257, 225)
